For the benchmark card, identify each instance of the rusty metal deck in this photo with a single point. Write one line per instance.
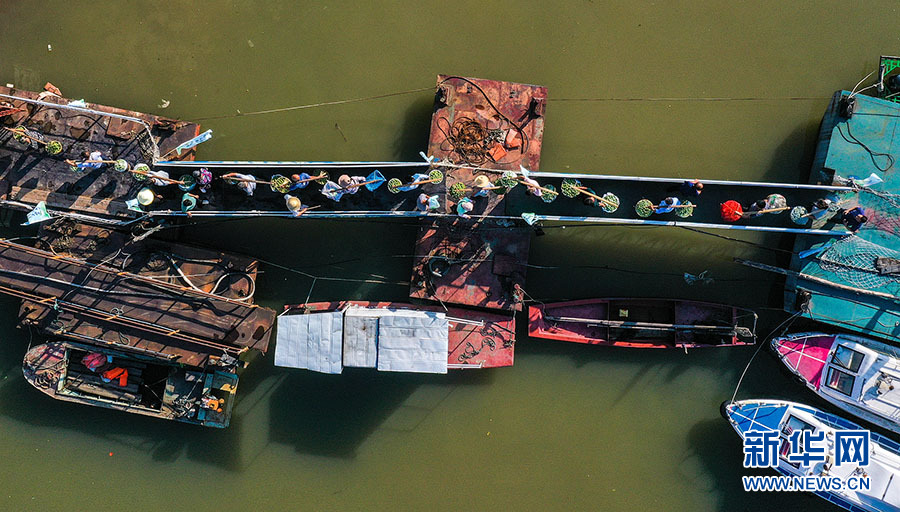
(486, 124)
(29, 175)
(101, 303)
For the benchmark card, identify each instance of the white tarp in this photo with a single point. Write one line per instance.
(412, 341)
(360, 338)
(311, 341)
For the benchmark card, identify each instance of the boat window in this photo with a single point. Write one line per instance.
(793, 423)
(848, 358)
(840, 381)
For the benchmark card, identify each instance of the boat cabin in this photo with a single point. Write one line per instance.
(857, 373)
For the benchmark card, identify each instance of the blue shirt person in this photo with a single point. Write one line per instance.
(691, 188)
(667, 205)
(854, 219)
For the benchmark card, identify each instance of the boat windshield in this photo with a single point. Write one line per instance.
(840, 381)
(848, 358)
(790, 426)
(793, 424)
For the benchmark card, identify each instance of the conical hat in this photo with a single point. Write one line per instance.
(345, 181)
(293, 203)
(145, 197)
(482, 181)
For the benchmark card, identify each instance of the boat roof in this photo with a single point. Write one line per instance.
(864, 144)
(398, 340)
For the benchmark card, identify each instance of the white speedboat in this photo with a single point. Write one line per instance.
(858, 375)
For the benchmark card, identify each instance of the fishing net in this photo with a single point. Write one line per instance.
(775, 201)
(121, 165)
(394, 185)
(457, 191)
(502, 189)
(280, 184)
(140, 172)
(686, 210)
(549, 193)
(852, 260)
(570, 187)
(53, 147)
(508, 179)
(798, 215)
(644, 208)
(323, 177)
(435, 176)
(187, 182)
(610, 202)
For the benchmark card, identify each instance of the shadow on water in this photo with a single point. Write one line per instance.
(792, 159)
(714, 451)
(332, 416)
(164, 441)
(414, 135)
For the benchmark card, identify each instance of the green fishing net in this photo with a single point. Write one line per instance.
(140, 171)
(280, 184)
(436, 176)
(570, 187)
(508, 179)
(798, 215)
(53, 147)
(644, 208)
(324, 177)
(610, 202)
(686, 210)
(457, 191)
(549, 194)
(394, 185)
(121, 165)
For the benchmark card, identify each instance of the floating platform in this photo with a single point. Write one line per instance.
(455, 264)
(842, 282)
(485, 267)
(475, 339)
(29, 175)
(136, 299)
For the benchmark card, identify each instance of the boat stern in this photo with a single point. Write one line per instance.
(44, 365)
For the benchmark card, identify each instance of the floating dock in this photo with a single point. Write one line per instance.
(479, 261)
(853, 282)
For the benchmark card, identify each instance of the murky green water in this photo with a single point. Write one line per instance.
(568, 427)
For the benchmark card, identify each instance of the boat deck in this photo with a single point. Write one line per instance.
(123, 305)
(29, 175)
(843, 283)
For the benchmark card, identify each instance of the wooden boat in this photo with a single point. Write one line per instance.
(151, 387)
(785, 417)
(392, 336)
(643, 323)
(857, 374)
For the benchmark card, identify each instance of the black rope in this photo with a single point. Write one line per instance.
(872, 154)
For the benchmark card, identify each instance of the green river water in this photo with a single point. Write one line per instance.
(568, 427)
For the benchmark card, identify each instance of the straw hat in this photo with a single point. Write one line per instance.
(482, 181)
(345, 181)
(146, 197)
(293, 203)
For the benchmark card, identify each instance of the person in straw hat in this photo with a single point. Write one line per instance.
(294, 205)
(347, 183)
(481, 183)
